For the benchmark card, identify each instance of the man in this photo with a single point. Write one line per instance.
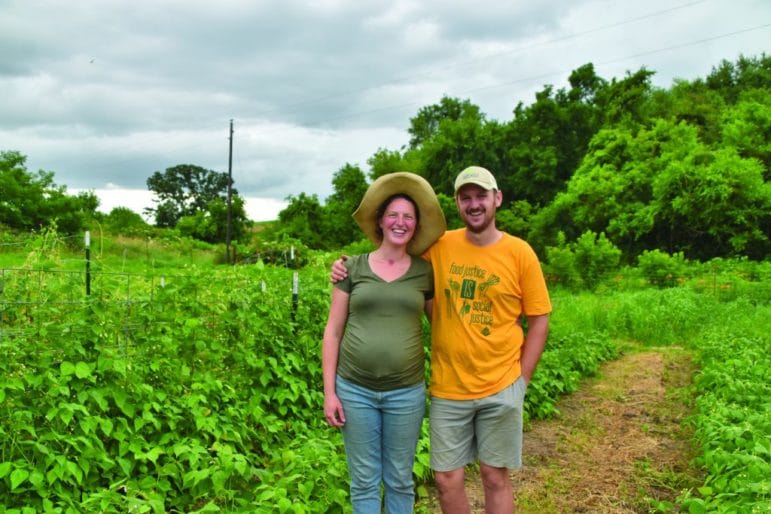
(486, 283)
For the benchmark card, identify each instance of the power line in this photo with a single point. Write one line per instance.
(320, 100)
(405, 78)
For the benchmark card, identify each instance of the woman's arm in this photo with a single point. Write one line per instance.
(333, 334)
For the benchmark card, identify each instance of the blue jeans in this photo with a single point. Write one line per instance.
(380, 434)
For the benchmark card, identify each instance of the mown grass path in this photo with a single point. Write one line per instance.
(618, 444)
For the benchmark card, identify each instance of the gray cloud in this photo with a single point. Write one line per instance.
(105, 93)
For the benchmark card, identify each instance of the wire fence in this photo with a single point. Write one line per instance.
(37, 301)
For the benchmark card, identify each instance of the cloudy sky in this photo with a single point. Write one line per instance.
(105, 92)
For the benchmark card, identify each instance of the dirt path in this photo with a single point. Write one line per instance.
(618, 441)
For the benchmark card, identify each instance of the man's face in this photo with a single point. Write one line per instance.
(477, 206)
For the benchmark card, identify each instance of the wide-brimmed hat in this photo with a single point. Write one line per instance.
(432, 224)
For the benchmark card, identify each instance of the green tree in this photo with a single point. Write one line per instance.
(122, 220)
(596, 257)
(731, 79)
(386, 161)
(610, 192)
(662, 188)
(694, 103)
(339, 228)
(31, 201)
(210, 225)
(427, 123)
(184, 190)
(457, 145)
(714, 203)
(546, 141)
(625, 101)
(515, 219)
(302, 219)
(746, 126)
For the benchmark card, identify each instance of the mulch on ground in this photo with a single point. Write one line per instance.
(618, 441)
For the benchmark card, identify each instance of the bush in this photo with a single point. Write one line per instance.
(585, 263)
(288, 252)
(661, 269)
(596, 257)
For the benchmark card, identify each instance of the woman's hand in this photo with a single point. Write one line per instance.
(333, 411)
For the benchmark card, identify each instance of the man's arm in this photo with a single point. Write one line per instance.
(535, 342)
(339, 271)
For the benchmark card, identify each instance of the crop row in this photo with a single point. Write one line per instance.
(207, 399)
(732, 422)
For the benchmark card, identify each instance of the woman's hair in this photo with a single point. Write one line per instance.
(383, 206)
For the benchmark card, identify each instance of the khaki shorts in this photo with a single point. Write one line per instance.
(489, 429)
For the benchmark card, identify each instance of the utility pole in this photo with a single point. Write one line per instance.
(228, 230)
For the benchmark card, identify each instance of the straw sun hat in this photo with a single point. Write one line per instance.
(432, 224)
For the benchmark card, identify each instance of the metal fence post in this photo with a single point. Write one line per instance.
(88, 263)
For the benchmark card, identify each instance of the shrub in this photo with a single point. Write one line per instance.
(661, 269)
(584, 263)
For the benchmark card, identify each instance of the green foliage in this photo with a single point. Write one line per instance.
(458, 144)
(302, 219)
(181, 405)
(190, 190)
(287, 252)
(515, 219)
(587, 262)
(33, 201)
(427, 123)
(730, 79)
(718, 200)
(661, 188)
(732, 423)
(661, 269)
(624, 102)
(746, 126)
(596, 257)
(560, 267)
(203, 394)
(349, 186)
(450, 210)
(385, 161)
(211, 225)
(546, 141)
(123, 220)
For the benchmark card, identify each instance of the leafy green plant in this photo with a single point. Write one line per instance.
(661, 269)
(732, 424)
(585, 263)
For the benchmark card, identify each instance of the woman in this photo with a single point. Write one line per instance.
(372, 356)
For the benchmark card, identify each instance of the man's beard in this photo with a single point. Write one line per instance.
(486, 222)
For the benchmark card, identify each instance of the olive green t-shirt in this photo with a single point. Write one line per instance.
(382, 347)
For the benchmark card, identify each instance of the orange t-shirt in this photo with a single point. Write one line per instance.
(480, 295)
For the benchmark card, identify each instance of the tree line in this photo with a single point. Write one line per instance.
(680, 170)
(189, 199)
(619, 162)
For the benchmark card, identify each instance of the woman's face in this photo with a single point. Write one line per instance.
(398, 222)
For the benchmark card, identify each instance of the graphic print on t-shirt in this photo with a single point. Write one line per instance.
(467, 295)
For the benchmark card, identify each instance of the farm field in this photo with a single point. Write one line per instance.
(201, 392)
